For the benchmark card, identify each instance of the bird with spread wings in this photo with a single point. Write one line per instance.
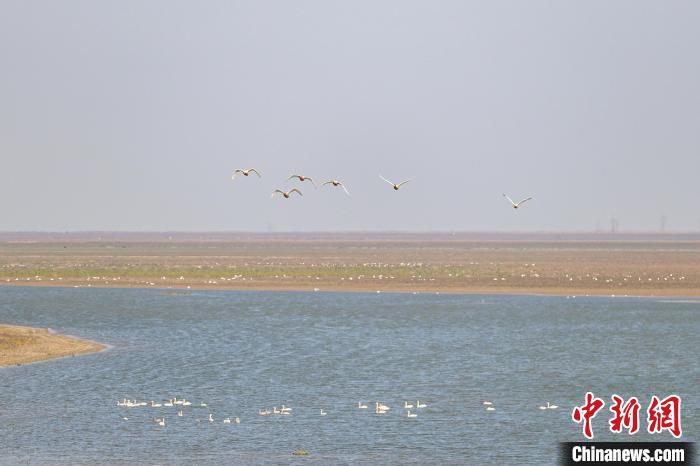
(396, 186)
(516, 204)
(337, 183)
(285, 193)
(240, 171)
(302, 178)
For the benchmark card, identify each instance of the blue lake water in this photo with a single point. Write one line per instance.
(243, 351)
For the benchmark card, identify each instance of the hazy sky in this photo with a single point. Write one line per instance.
(131, 115)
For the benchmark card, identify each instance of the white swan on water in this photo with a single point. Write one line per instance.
(410, 414)
(361, 406)
(407, 405)
(420, 405)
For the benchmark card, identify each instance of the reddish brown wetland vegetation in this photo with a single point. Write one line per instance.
(578, 264)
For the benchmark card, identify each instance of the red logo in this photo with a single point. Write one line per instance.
(587, 412)
(626, 415)
(661, 414)
(665, 415)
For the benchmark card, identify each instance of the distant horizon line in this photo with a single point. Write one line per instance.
(350, 232)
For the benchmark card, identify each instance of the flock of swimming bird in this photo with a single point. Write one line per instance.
(336, 183)
(379, 408)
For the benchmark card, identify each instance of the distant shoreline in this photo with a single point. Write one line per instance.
(409, 263)
(21, 345)
(633, 293)
(351, 237)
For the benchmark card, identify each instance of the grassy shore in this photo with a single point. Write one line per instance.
(23, 345)
(642, 265)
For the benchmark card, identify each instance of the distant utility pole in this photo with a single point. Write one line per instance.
(614, 225)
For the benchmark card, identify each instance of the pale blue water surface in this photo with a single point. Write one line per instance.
(243, 351)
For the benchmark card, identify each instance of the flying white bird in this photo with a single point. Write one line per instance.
(287, 193)
(395, 185)
(302, 178)
(337, 183)
(517, 204)
(244, 172)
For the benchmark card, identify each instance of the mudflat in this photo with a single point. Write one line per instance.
(600, 264)
(23, 345)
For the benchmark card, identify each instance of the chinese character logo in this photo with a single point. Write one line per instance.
(625, 415)
(587, 412)
(665, 415)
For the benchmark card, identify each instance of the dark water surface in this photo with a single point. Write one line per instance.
(243, 351)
